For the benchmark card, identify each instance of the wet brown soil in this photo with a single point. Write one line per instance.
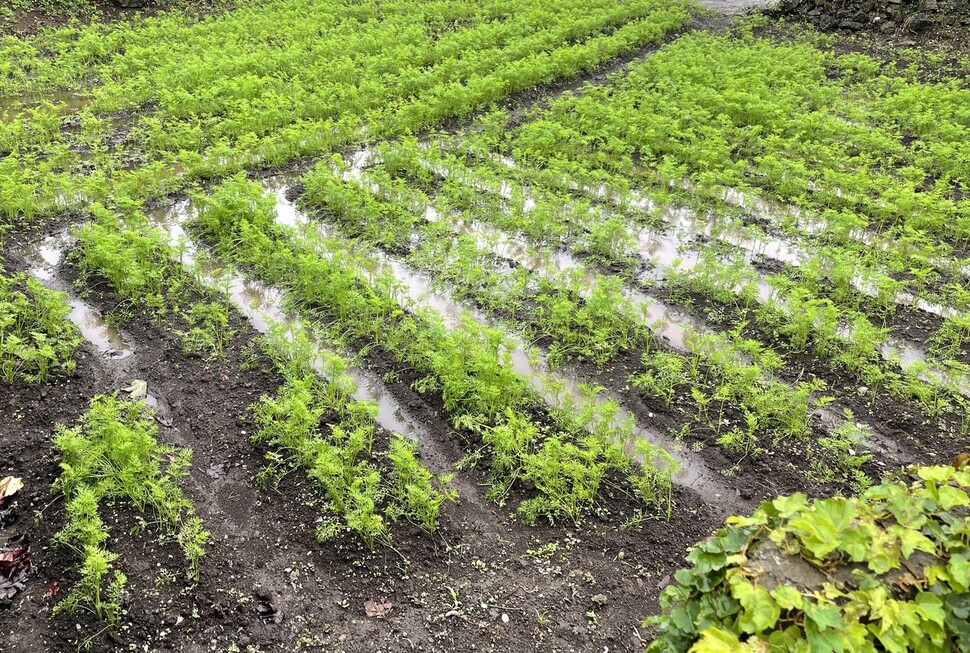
(914, 436)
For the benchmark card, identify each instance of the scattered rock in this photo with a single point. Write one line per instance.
(269, 613)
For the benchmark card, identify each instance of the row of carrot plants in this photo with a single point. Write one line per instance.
(861, 294)
(313, 421)
(114, 455)
(837, 135)
(37, 341)
(789, 311)
(270, 82)
(589, 137)
(849, 334)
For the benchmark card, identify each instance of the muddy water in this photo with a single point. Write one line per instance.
(673, 325)
(669, 249)
(264, 307)
(665, 321)
(68, 102)
(554, 387)
(43, 262)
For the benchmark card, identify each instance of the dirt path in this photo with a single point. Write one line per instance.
(735, 7)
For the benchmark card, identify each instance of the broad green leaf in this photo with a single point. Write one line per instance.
(715, 640)
(760, 610)
(930, 606)
(824, 616)
(959, 569)
(949, 497)
(787, 597)
(682, 619)
(788, 506)
(821, 529)
(936, 474)
(910, 540)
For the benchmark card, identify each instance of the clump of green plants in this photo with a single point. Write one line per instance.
(415, 494)
(846, 444)
(145, 271)
(313, 422)
(208, 328)
(112, 455)
(886, 571)
(568, 476)
(37, 340)
(664, 375)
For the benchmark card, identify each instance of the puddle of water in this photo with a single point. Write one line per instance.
(663, 320)
(43, 261)
(673, 325)
(665, 250)
(908, 354)
(68, 102)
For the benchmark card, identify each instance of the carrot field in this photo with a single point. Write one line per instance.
(393, 325)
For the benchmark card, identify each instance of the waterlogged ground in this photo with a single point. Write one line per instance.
(733, 246)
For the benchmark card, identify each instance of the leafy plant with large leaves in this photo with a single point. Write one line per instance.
(886, 571)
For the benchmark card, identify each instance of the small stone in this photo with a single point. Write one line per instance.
(599, 599)
(505, 618)
(862, 390)
(620, 555)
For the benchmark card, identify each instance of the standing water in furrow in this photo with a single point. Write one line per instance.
(908, 355)
(265, 309)
(682, 332)
(554, 387)
(43, 261)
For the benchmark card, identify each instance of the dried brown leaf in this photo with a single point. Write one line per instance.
(9, 486)
(15, 567)
(377, 609)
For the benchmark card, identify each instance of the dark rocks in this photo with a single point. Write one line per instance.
(914, 16)
(922, 22)
(851, 25)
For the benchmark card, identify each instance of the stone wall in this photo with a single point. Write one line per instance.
(883, 15)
